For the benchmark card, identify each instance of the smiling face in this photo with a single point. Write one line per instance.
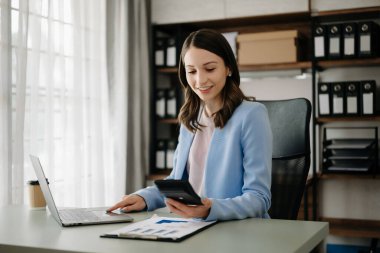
(206, 74)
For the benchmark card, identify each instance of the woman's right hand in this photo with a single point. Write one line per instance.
(129, 203)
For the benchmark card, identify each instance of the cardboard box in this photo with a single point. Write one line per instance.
(268, 47)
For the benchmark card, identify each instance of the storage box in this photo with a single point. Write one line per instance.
(268, 47)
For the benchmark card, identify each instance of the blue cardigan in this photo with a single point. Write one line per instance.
(238, 167)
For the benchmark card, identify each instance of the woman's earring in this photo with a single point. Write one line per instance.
(229, 74)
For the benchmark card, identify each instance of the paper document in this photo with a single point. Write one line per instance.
(160, 228)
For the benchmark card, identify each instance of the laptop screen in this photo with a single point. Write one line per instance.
(45, 187)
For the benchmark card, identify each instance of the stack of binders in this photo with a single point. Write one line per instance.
(165, 153)
(166, 52)
(348, 155)
(346, 40)
(347, 98)
(166, 103)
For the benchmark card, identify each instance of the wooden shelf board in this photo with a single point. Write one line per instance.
(277, 66)
(353, 227)
(349, 176)
(322, 120)
(346, 11)
(168, 121)
(365, 62)
(158, 175)
(171, 70)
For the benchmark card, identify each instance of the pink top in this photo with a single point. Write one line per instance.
(199, 152)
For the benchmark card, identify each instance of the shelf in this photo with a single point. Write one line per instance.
(171, 70)
(346, 176)
(259, 67)
(360, 11)
(322, 120)
(168, 121)
(156, 176)
(362, 62)
(277, 66)
(353, 227)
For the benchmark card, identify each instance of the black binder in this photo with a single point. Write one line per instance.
(171, 52)
(160, 103)
(352, 98)
(161, 154)
(338, 99)
(324, 101)
(160, 52)
(320, 42)
(334, 41)
(171, 104)
(349, 40)
(368, 39)
(368, 97)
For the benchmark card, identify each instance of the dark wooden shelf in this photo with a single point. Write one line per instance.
(368, 10)
(277, 66)
(158, 175)
(168, 70)
(346, 176)
(353, 227)
(362, 62)
(259, 67)
(322, 120)
(168, 121)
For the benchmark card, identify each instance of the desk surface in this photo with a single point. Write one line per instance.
(24, 230)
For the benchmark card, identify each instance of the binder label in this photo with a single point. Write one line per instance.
(319, 46)
(365, 43)
(352, 105)
(324, 108)
(338, 105)
(349, 46)
(367, 103)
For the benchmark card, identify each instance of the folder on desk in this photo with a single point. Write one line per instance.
(324, 90)
(320, 42)
(368, 97)
(334, 41)
(338, 99)
(352, 98)
(349, 40)
(368, 33)
(161, 229)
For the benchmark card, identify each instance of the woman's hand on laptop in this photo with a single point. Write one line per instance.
(129, 203)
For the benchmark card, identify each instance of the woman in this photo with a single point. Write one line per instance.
(225, 143)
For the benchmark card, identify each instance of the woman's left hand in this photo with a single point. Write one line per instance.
(189, 211)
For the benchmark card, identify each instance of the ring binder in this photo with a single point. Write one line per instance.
(324, 91)
(335, 50)
(338, 99)
(352, 98)
(349, 40)
(368, 39)
(368, 97)
(320, 42)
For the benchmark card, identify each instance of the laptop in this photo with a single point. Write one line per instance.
(77, 216)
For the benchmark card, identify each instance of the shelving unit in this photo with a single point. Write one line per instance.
(298, 21)
(345, 227)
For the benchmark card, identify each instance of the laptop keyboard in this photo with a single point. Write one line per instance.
(77, 215)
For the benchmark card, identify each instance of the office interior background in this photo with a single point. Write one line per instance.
(78, 89)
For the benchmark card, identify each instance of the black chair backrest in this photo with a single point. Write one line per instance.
(290, 123)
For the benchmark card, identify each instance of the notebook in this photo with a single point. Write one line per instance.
(77, 216)
(161, 229)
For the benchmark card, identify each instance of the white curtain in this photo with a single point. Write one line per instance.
(54, 102)
(129, 85)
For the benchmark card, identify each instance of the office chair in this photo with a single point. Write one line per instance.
(289, 121)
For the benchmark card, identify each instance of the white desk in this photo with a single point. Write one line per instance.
(24, 230)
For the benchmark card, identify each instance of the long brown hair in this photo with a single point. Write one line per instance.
(232, 96)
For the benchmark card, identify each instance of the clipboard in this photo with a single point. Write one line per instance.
(158, 228)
